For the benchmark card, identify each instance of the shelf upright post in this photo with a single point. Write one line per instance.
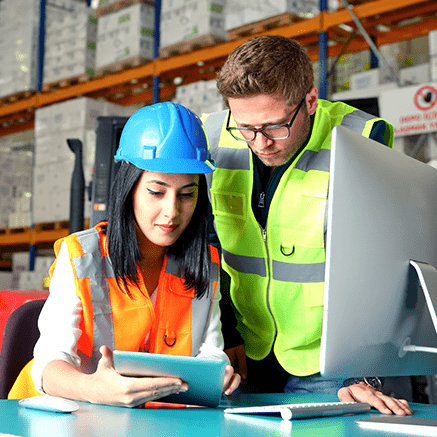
(323, 55)
(41, 37)
(156, 41)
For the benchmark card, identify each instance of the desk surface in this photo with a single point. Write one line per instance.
(96, 420)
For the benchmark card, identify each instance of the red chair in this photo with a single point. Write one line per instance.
(10, 300)
(19, 338)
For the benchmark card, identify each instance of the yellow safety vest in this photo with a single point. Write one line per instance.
(277, 273)
(110, 317)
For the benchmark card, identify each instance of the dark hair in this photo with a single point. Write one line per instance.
(267, 64)
(191, 249)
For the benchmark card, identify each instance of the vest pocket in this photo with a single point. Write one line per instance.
(229, 204)
(299, 246)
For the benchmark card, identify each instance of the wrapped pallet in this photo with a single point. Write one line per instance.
(188, 24)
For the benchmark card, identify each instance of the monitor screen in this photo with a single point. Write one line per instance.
(382, 213)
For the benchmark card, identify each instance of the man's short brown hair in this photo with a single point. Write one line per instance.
(267, 64)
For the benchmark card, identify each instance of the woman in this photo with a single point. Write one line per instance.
(145, 280)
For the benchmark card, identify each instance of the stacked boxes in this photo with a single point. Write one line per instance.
(200, 97)
(23, 279)
(189, 20)
(15, 188)
(414, 75)
(126, 35)
(348, 65)
(19, 28)
(242, 12)
(70, 42)
(54, 161)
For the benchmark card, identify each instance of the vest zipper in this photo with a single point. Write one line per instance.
(261, 201)
(264, 234)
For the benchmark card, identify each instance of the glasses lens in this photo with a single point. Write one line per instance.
(277, 132)
(242, 134)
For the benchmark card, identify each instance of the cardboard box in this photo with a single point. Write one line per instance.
(188, 20)
(125, 34)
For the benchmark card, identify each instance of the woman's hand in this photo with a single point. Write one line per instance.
(106, 386)
(115, 389)
(385, 404)
(232, 380)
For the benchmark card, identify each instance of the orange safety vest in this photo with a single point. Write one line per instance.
(110, 317)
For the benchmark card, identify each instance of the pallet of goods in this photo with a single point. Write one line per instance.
(125, 38)
(188, 25)
(247, 18)
(263, 25)
(69, 47)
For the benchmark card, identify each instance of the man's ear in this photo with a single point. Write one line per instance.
(311, 100)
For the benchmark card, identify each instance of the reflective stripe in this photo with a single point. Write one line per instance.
(200, 308)
(172, 267)
(245, 264)
(213, 126)
(300, 273)
(94, 265)
(356, 120)
(287, 272)
(228, 158)
(311, 160)
(233, 159)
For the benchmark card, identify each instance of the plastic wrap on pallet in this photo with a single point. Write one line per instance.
(70, 44)
(15, 188)
(53, 159)
(19, 36)
(201, 97)
(242, 12)
(185, 21)
(125, 36)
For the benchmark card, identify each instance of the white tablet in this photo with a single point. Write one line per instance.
(204, 376)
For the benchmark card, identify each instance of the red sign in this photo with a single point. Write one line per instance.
(425, 98)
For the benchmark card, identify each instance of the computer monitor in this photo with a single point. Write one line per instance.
(382, 214)
(108, 132)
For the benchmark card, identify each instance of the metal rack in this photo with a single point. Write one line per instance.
(385, 21)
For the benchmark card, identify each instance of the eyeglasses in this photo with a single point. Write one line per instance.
(273, 132)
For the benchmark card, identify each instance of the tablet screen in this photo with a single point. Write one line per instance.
(204, 376)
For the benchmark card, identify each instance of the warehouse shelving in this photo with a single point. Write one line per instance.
(385, 21)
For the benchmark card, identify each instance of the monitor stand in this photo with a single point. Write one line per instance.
(427, 275)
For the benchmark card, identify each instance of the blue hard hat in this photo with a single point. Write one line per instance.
(165, 138)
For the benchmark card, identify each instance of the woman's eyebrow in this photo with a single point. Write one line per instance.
(164, 184)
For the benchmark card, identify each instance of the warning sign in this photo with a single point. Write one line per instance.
(412, 110)
(425, 97)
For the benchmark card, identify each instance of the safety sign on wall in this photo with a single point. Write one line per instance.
(412, 110)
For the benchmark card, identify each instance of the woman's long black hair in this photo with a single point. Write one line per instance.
(191, 249)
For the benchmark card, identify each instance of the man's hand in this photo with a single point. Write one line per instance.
(385, 404)
(237, 357)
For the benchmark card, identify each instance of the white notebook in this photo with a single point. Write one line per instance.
(404, 424)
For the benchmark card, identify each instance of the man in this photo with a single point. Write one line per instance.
(268, 197)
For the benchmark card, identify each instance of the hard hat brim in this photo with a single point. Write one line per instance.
(176, 165)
